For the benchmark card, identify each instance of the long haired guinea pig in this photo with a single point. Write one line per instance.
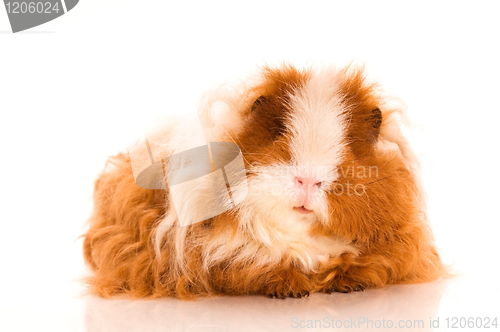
(333, 204)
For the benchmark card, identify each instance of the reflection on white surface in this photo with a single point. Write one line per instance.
(407, 303)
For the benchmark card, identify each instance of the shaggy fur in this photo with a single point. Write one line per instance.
(364, 226)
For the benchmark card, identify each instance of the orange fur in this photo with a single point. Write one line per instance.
(387, 224)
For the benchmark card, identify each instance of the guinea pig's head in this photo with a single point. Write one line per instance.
(315, 155)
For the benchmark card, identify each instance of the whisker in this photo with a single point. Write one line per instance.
(379, 180)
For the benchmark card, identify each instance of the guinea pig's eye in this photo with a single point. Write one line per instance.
(280, 129)
(269, 115)
(375, 119)
(258, 102)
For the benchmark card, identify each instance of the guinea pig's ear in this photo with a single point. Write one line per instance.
(258, 102)
(375, 120)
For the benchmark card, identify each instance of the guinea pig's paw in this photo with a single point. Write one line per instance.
(344, 286)
(289, 283)
(282, 294)
(299, 294)
(277, 295)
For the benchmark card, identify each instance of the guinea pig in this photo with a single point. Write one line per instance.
(333, 201)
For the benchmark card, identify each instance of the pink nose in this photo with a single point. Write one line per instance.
(309, 185)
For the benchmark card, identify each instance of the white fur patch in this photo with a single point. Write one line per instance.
(317, 121)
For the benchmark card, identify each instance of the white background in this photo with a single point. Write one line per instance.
(73, 91)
